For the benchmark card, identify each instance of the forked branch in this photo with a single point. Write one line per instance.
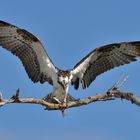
(112, 94)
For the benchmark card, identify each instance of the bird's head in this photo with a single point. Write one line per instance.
(64, 78)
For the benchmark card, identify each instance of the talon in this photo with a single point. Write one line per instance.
(57, 100)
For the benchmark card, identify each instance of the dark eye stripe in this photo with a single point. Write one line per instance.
(60, 83)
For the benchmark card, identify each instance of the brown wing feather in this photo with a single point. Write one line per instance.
(30, 51)
(103, 59)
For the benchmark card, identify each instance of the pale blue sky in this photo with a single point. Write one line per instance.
(69, 29)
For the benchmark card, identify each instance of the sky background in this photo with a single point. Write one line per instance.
(69, 30)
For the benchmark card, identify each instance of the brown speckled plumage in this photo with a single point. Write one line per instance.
(24, 45)
(105, 58)
(27, 35)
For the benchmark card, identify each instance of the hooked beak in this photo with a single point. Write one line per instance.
(64, 85)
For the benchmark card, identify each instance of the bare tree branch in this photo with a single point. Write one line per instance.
(111, 94)
(108, 96)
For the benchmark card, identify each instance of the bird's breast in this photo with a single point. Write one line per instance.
(59, 90)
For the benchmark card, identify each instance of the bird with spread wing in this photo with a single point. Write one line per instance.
(40, 67)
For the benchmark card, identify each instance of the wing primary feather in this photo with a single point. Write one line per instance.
(103, 59)
(29, 50)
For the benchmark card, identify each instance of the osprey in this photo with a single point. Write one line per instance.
(40, 67)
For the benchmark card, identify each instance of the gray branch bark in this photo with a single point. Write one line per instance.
(111, 94)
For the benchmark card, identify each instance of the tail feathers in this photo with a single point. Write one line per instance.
(58, 99)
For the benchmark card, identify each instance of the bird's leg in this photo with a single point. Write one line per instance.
(57, 100)
(65, 97)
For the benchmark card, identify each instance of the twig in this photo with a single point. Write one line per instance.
(120, 82)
